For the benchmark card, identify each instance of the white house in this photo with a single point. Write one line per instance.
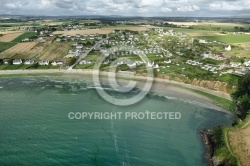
(228, 48)
(235, 64)
(132, 65)
(6, 61)
(17, 61)
(207, 54)
(168, 61)
(43, 63)
(79, 47)
(58, 63)
(150, 64)
(247, 63)
(156, 66)
(84, 62)
(26, 40)
(202, 41)
(29, 62)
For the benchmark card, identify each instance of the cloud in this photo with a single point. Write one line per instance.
(13, 5)
(16, 4)
(189, 8)
(67, 4)
(147, 3)
(125, 7)
(165, 9)
(45, 2)
(225, 6)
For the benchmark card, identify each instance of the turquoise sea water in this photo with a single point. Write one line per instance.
(35, 128)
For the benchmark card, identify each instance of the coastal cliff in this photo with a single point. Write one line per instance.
(212, 85)
(210, 143)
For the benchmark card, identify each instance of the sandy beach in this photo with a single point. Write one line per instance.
(161, 87)
(125, 75)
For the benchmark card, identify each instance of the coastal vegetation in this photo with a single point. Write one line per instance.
(225, 138)
(242, 96)
(222, 102)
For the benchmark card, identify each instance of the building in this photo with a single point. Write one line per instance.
(29, 62)
(228, 48)
(17, 62)
(132, 65)
(247, 63)
(235, 64)
(6, 61)
(43, 63)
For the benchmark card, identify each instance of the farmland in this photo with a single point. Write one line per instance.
(21, 47)
(10, 32)
(10, 37)
(24, 50)
(25, 35)
(99, 31)
(55, 51)
(6, 45)
(207, 24)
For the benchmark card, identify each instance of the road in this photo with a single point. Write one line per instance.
(81, 57)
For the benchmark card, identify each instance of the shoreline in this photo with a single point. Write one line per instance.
(120, 75)
(163, 87)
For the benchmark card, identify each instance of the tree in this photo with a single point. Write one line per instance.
(236, 28)
(71, 61)
(242, 96)
(242, 29)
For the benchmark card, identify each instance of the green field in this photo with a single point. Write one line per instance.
(6, 45)
(25, 35)
(228, 38)
(186, 30)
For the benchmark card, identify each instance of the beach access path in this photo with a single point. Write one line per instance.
(84, 55)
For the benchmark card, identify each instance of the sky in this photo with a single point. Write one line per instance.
(147, 8)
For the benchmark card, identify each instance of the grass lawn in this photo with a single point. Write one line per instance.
(12, 67)
(230, 79)
(24, 67)
(93, 55)
(86, 66)
(6, 45)
(42, 67)
(2, 67)
(25, 35)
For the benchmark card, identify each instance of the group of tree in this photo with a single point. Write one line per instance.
(241, 29)
(242, 96)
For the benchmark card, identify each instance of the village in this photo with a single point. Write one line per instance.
(170, 53)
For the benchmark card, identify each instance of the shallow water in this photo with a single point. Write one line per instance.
(35, 128)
